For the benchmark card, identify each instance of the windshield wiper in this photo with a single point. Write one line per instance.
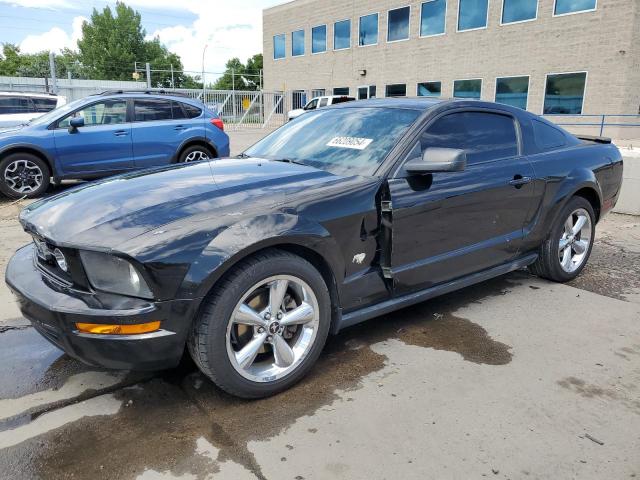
(289, 160)
(243, 155)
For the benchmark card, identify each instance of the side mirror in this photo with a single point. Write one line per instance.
(75, 123)
(437, 160)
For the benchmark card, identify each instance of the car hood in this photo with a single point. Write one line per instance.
(7, 131)
(107, 213)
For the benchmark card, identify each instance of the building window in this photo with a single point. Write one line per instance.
(519, 10)
(563, 7)
(279, 49)
(297, 43)
(398, 24)
(432, 18)
(319, 39)
(341, 91)
(396, 90)
(472, 14)
(366, 91)
(513, 91)
(368, 30)
(429, 89)
(564, 93)
(342, 35)
(317, 92)
(467, 89)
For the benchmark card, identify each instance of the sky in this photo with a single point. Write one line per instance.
(230, 28)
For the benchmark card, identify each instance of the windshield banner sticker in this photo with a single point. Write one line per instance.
(350, 142)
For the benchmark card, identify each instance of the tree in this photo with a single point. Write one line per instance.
(15, 63)
(241, 76)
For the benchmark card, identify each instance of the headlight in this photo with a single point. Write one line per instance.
(113, 274)
(61, 260)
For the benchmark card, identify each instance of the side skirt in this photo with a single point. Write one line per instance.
(390, 305)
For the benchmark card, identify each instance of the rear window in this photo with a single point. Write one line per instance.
(44, 105)
(13, 105)
(548, 137)
(152, 110)
(191, 111)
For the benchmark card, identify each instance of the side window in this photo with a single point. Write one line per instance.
(323, 102)
(191, 111)
(484, 136)
(178, 112)
(312, 105)
(110, 112)
(44, 105)
(548, 137)
(152, 110)
(11, 105)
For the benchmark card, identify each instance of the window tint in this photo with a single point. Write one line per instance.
(398, 24)
(432, 17)
(152, 110)
(368, 30)
(484, 136)
(44, 105)
(342, 35)
(513, 91)
(178, 113)
(279, 48)
(319, 39)
(429, 89)
(564, 93)
(191, 111)
(472, 14)
(572, 6)
(467, 89)
(548, 137)
(518, 10)
(396, 90)
(9, 105)
(297, 43)
(109, 112)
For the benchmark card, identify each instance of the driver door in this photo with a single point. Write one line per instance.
(103, 144)
(450, 224)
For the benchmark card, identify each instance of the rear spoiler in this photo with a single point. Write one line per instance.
(594, 138)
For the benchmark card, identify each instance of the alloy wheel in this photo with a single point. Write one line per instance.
(196, 156)
(575, 240)
(273, 328)
(23, 176)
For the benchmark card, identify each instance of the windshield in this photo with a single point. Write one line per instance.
(57, 113)
(344, 141)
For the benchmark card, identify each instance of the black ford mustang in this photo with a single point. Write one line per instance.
(343, 214)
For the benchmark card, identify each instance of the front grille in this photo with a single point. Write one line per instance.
(46, 263)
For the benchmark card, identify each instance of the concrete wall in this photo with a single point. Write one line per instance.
(629, 201)
(603, 42)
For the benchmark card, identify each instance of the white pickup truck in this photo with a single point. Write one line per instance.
(319, 102)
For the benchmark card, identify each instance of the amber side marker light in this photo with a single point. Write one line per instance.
(104, 329)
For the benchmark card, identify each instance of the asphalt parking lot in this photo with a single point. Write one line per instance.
(514, 378)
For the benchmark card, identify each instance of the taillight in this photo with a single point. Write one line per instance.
(217, 122)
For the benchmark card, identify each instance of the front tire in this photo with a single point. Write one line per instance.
(23, 175)
(566, 251)
(264, 326)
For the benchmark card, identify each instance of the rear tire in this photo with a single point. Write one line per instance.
(195, 153)
(566, 250)
(237, 340)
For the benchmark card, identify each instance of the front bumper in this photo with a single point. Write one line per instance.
(54, 309)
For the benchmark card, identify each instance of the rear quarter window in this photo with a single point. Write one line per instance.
(191, 111)
(548, 137)
(13, 105)
(44, 105)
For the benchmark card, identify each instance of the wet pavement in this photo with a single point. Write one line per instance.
(513, 378)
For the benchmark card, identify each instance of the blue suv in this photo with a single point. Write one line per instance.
(105, 134)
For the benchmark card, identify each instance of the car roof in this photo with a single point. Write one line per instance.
(146, 94)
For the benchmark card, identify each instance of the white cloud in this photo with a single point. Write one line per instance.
(52, 4)
(55, 39)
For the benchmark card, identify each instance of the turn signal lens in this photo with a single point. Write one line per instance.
(103, 329)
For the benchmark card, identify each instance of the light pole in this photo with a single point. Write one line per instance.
(203, 92)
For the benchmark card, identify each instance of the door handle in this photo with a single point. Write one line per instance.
(180, 127)
(121, 133)
(518, 181)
